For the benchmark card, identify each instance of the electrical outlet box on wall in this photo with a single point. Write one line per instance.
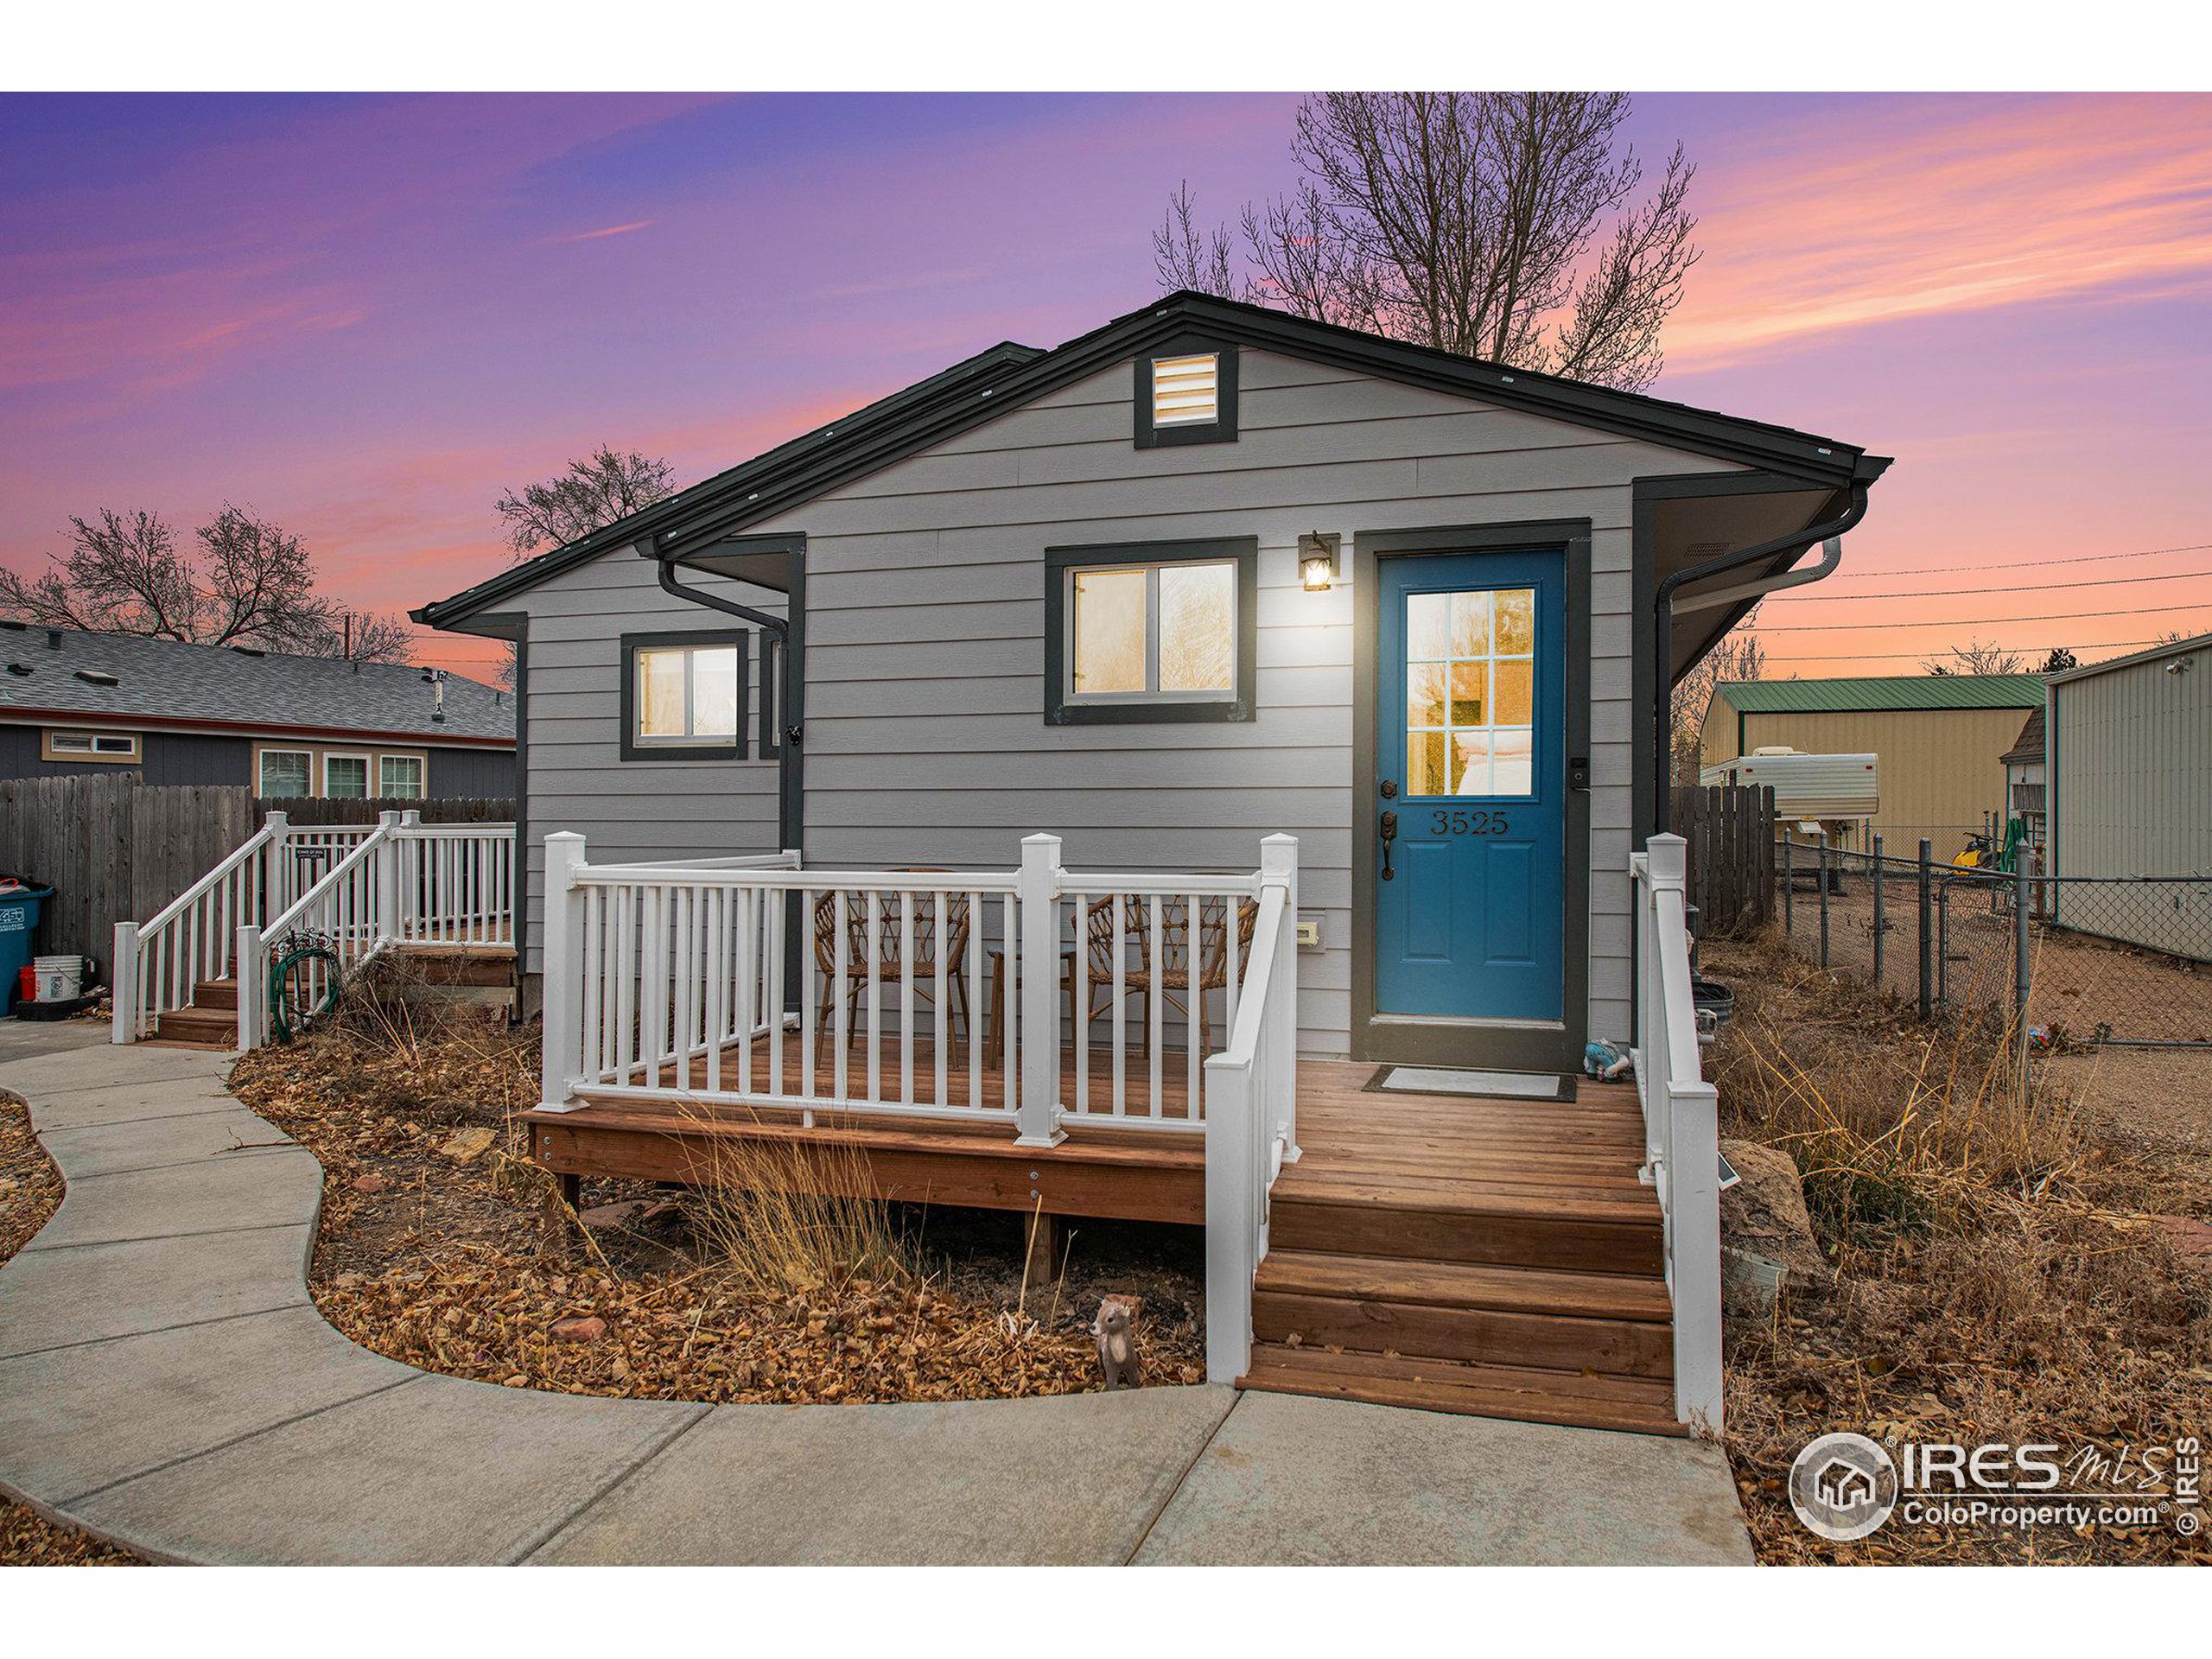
(1309, 931)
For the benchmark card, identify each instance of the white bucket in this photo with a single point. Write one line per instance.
(59, 977)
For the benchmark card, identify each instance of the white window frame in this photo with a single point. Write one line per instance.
(59, 743)
(422, 765)
(1152, 693)
(368, 772)
(261, 777)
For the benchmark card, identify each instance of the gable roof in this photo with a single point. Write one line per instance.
(42, 669)
(2027, 748)
(985, 385)
(1892, 693)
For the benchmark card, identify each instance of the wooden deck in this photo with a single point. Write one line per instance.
(1489, 1256)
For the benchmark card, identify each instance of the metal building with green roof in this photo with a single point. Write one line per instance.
(1941, 739)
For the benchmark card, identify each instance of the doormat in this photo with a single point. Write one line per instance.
(1437, 1080)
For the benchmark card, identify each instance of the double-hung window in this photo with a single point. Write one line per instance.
(399, 777)
(1150, 632)
(682, 696)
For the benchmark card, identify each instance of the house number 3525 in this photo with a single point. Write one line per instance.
(1467, 823)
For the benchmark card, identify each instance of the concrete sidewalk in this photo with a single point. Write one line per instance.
(165, 1382)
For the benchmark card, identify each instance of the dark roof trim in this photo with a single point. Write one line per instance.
(17, 715)
(951, 402)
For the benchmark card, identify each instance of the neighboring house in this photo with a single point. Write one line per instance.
(2130, 768)
(282, 725)
(1938, 737)
(2023, 777)
(1206, 573)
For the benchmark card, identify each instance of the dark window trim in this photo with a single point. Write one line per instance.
(632, 749)
(1243, 705)
(769, 745)
(1222, 429)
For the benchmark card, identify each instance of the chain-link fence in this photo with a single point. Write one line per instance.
(2116, 959)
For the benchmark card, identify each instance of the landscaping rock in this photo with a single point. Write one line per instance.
(588, 1328)
(1766, 1237)
(2190, 1236)
(468, 1145)
(614, 1214)
(370, 1182)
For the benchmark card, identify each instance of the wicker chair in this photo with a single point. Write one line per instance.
(887, 965)
(1174, 984)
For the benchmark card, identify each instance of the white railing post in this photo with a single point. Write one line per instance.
(277, 859)
(252, 993)
(123, 984)
(563, 1045)
(386, 877)
(1279, 863)
(1693, 1233)
(1037, 1119)
(1232, 1169)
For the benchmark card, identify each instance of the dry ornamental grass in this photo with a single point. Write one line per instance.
(1999, 1275)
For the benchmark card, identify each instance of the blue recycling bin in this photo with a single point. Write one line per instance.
(18, 915)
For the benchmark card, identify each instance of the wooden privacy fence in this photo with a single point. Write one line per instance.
(118, 851)
(1730, 832)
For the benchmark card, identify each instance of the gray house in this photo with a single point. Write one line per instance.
(285, 727)
(1206, 573)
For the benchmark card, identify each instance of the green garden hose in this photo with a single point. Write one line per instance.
(293, 953)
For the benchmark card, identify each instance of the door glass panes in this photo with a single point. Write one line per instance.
(1470, 692)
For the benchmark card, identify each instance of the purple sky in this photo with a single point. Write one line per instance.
(366, 317)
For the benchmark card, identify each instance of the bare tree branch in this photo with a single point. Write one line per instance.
(591, 494)
(1738, 657)
(1495, 224)
(1974, 658)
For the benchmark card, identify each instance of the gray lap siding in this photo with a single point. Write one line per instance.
(925, 742)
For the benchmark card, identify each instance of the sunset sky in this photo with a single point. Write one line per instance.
(367, 316)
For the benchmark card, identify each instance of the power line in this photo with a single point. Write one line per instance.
(1967, 621)
(1952, 592)
(1916, 655)
(2071, 558)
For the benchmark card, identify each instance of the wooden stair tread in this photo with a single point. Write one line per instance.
(1639, 1208)
(1519, 1392)
(1466, 1285)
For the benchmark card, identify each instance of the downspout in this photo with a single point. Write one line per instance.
(1662, 653)
(779, 628)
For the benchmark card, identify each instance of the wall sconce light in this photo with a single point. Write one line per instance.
(1317, 560)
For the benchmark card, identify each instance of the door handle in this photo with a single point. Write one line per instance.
(1389, 835)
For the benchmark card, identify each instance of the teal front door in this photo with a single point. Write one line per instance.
(1471, 786)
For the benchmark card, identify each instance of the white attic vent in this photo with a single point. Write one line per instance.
(1186, 390)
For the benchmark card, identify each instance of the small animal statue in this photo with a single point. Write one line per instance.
(1117, 1346)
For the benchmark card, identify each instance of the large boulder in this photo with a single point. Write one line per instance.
(1766, 1237)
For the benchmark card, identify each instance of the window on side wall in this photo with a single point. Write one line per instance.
(1145, 632)
(346, 777)
(285, 774)
(683, 695)
(399, 777)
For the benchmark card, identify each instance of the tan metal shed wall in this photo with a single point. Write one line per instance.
(1940, 771)
(2134, 771)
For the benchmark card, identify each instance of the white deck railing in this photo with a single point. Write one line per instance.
(366, 888)
(683, 980)
(1682, 1133)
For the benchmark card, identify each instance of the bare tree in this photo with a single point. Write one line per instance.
(1738, 656)
(591, 494)
(249, 582)
(1495, 224)
(2059, 661)
(1974, 658)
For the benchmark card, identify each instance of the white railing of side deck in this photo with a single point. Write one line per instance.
(681, 980)
(158, 964)
(1682, 1132)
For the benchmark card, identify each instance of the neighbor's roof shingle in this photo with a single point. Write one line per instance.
(161, 679)
(1886, 692)
(2028, 746)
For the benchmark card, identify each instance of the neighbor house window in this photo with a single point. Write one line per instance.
(682, 696)
(1186, 393)
(286, 774)
(346, 777)
(400, 776)
(117, 748)
(1151, 632)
